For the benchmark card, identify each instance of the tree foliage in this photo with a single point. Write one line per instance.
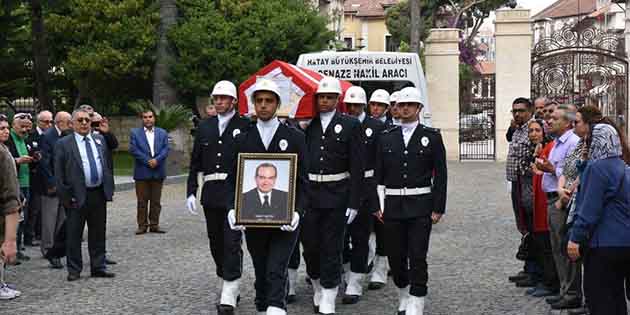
(15, 50)
(105, 48)
(233, 39)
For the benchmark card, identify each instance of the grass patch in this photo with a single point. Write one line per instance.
(123, 163)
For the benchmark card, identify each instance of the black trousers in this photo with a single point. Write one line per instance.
(544, 258)
(407, 243)
(323, 244)
(357, 242)
(271, 251)
(379, 232)
(225, 244)
(604, 271)
(94, 213)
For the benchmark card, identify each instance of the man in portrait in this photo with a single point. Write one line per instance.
(264, 201)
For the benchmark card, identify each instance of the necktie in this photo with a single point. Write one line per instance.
(91, 161)
(266, 203)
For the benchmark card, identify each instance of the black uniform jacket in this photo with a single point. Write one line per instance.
(336, 151)
(214, 154)
(371, 128)
(421, 164)
(251, 142)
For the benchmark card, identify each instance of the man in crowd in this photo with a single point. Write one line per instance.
(393, 110)
(539, 105)
(336, 171)
(149, 147)
(24, 156)
(561, 126)
(517, 152)
(53, 214)
(379, 102)
(271, 248)
(9, 208)
(213, 156)
(84, 185)
(358, 234)
(38, 180)
(411, 164)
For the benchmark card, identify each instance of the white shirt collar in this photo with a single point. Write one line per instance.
(58, 131)
(39, 130)
(408, 130)
(326, 118)
(262, 195)
(267, 129)
(361, 117)
(80, 138)
(226, 116)
(383, 118)
(152, 130)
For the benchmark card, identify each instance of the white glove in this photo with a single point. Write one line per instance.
(351, 214)
(232, 221)
(191, 204)
(294, 223)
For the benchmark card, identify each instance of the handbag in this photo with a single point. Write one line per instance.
(524, 252)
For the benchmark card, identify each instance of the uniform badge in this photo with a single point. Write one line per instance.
(424, 141)
(283, 144)
(338, 128)
(236, 132)
(368, 132)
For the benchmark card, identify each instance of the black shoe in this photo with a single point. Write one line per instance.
(225, 309)
(157, 230)
(553, 299)
(578, 311)
(401, 313)
(315, 309)
(102, 274)
(522, 275)
(350, 299)
(22, 256)
(566, 303)
(73, 277)
(527, 283)
(291, 298)
(110, 262)
(55, 263)
(376, 285)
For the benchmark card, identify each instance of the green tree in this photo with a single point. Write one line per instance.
(15, 49)
(232, 39)
(105, 49)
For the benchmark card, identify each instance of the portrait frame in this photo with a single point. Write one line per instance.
(279, 212)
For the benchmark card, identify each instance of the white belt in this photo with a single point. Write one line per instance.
(214, 176)
(407, 191)
(328, 177)
(369, 173)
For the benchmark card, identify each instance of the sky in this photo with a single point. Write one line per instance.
(535, 5)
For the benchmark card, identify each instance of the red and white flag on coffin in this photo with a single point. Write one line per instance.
(297, 88)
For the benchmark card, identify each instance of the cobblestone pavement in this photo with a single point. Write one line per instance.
(471, 254)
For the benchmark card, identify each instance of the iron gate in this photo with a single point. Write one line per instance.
(477, 119)
(583, 66)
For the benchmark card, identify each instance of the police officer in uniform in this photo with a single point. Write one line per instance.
(336, 175)
(271, 248)
(212, 156)
(358, 234)
(379, 103)
(411, 164)
(393, 109)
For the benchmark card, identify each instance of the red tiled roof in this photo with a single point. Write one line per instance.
(368, 8)
(566, 8)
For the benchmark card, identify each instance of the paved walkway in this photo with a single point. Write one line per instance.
(471, 255)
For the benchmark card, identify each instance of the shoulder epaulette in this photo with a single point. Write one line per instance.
(430, 129)
(390, 128)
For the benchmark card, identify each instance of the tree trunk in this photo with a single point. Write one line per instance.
(414, 36)
(163, 92)
(40, 56)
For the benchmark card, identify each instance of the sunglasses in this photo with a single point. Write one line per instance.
(547, 111)
(518, 110)
(46, 121)
(23, 116)
(84, 120)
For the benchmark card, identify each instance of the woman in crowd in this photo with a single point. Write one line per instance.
(541, 147)
(600, 230)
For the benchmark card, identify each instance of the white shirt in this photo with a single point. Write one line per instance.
(224, 119)
(39, 130)
(262, 195)
(396, 122)
(150, 133)
(326, 118)
(58, 131)
(85, 160)
(361, 117)
(408, 130)
(383, 118)
(267, 129)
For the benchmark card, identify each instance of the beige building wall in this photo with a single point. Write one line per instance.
(513, 68)
(442, 73)
(372, 31)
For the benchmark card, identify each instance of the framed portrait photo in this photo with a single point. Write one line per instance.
(265, 189)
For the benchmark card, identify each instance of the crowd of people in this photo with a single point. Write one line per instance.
(568, 170)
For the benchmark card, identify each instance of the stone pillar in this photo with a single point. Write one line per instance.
(513, 68)
(442, 73)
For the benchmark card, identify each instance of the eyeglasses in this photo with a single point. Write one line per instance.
(84, 120)
(46, 121)
(547, 111)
